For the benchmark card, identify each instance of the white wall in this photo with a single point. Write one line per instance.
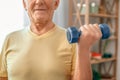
(11, 17)
(61, 14)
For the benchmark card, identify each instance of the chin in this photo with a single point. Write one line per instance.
(41, 20)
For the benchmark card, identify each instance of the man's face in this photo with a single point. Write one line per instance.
(40, 11)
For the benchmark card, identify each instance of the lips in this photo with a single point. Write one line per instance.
(40, 9)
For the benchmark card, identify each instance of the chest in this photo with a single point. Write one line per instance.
(39, 60)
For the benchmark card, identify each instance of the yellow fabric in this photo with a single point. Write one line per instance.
(27, 56)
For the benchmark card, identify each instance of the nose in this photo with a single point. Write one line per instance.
(39, 1)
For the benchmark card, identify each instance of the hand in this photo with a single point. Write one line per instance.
(90, 34)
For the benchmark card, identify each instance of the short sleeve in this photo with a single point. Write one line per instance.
(3, 63)
(74, 49)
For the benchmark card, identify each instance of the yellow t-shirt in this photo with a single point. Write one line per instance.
(27, 56)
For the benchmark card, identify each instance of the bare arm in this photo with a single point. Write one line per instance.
(83, 66)
(3, 78)
(90, 34)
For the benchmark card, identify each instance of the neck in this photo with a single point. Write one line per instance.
(40, 29)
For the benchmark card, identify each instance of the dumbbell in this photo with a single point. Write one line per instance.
(73, 34)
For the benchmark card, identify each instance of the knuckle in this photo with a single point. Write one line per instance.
(95, 24)
(90, 24)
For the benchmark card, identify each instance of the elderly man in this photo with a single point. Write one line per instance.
(41, 51)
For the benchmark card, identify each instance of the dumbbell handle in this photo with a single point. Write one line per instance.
(73, 34)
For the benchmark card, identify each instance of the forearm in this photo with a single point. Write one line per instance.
(83, 66)
(3, 78)
(90, 34)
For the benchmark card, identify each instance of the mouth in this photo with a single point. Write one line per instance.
(40, 9)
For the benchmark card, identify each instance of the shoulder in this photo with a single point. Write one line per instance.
(63, 36)
(16, 33)
(61, 30)
(14, 36)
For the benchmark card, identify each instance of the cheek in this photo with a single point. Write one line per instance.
(50, 4)
(31, 4)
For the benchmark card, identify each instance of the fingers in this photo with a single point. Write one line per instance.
(97, 28)
(90, 34)
(92, 31)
